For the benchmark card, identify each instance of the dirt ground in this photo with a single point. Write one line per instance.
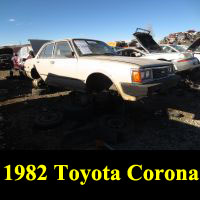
(163, 122)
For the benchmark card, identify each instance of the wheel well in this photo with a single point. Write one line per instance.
(34, 73)
(99, 82)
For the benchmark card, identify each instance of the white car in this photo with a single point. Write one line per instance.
(92, 65)
(150, 49)
(194, 48)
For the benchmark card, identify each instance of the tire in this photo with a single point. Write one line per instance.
(48, 119)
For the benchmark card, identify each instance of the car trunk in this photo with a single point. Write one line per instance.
(147, 42)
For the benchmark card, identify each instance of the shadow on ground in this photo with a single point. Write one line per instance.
(141, 125)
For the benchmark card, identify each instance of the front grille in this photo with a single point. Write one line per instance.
(160, 73)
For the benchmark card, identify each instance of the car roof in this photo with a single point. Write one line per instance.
(70, 39)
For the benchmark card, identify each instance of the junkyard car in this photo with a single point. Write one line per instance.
(182, 61)
(194, 48)
(6, 54)
(91, 65)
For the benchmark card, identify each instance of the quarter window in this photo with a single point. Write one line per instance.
(47, 51)
(63, 50)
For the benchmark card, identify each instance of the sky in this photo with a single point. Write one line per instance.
(106, 20)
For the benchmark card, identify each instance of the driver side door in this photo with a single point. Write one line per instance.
(63, 68)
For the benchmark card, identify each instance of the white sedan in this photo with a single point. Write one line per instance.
(93, 66)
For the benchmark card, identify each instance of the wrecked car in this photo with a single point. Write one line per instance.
(6, 54)
(193, 48)
(93, 66)
(182, 61)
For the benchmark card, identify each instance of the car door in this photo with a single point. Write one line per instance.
(44, 60)
(62, 71)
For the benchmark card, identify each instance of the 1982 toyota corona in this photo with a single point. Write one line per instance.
(91, 65)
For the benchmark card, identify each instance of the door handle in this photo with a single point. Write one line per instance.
(52, 62)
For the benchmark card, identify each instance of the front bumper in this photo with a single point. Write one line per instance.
(143, 90)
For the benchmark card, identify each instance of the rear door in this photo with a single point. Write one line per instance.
(44, 60)
(63, 69)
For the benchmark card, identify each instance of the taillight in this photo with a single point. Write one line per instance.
(183, 61)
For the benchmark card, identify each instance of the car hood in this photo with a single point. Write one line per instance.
(6, 50)
(128, 60)
(147, 42)
(170, 56)
(194, 46)
(37, 44)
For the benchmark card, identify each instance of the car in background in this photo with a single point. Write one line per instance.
(170, 48)
(149, 49)
(92, 66)
(6, 54)
(194, 48)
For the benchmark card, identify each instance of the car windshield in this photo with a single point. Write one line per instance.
(92, 47)
(179, 48)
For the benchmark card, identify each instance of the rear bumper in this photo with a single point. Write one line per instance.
(143, 90)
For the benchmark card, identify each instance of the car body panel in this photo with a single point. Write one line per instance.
(147, 42)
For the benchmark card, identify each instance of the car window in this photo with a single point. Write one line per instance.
(63, 50)
(167, 49)
(47, 51)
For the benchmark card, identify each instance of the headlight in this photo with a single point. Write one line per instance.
(142, 76)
